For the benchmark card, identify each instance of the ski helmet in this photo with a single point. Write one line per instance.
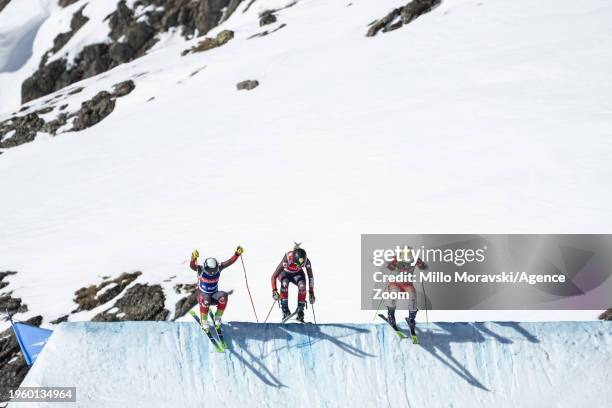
(211, 266)
(299, 256)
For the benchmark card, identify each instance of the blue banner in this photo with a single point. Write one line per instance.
(31, 339)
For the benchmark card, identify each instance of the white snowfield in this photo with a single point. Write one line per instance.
(160, 364)
(483, 116)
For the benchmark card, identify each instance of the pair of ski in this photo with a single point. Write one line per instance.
(290, 316)
(219, 342)
(400, 334)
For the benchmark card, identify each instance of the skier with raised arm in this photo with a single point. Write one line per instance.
(208, 286)
(293, 268)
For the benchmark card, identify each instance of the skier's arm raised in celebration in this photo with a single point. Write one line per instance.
(194, 262)
(234, 258)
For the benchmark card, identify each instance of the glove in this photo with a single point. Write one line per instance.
(311, 297)
(195, 254)
(275, 294)
(239, 250)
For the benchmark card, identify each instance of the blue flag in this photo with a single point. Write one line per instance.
(31, 339)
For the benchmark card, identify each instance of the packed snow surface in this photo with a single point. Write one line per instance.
(504, 364)
(484, 116)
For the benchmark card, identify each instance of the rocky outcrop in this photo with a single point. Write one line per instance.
(13, 367)
(607, 315)
(94, 110)
(247, 85)
(19, 130)
(132, 33)
(140, 302)
(186, 303)
(3, 4)
(4, 284)
(23, 129)
(267, 17)
(266, 32)
(209, 43)
(78, 21)
(11, 304)
(60, 319)
(95, 295)
(123, 88)
(401, 16)
(66, 3)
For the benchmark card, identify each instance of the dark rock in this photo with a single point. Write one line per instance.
(92, 60)
(267, 17)
(607, 315)
(45, 110)
(123, 88)
(11, 304)
(60, 319)
(43, 81)
(416, 8)
(138, 34)
(64, 106)
(224, 37)
(120, 20)
(140, 302)
(93, 296)
(13, 367)
(205, 45)
(209, 43)
(136, 38)
(401, 16)
(94, 110)
(186, 303)
(52, 126)
(3, 275)
(121, 53)
(75, 91)
(266, 32)
(66, 3)
(78, 21)
(247, 85)
(3, 3)
(25, 129)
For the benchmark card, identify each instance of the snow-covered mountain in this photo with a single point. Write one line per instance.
(478, 116)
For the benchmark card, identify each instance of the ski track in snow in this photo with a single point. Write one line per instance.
(485, 117)
(140, 364)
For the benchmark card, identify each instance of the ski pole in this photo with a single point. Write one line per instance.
(314, 316)
(425, 296)
(379, 303)
(271, 307)
(248, 290)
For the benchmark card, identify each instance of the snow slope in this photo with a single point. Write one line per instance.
(481, 116)
(458, 365)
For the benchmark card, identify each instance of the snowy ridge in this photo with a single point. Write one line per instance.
(481, 116)
(143, 364)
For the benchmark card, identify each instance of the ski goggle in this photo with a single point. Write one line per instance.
(300, 261)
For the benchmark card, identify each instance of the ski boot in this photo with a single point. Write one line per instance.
(412, 324)
(285, 308)
(204, 323)
(300, 312)
(391, 318)
(218, 323)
